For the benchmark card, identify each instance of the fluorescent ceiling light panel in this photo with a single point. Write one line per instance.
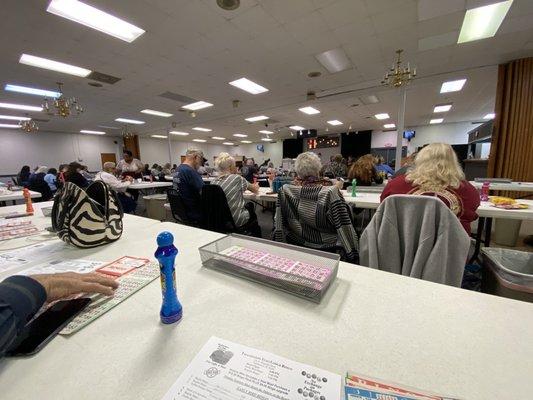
(483, 22)
(228, 143)
(52, 65)
(265, 131)
(436, 121)
(452, 86)
(129, 121)
(335, 122)
(266, 139)
(28, 90)
(160, 136)
(371, 99)
(309, 110)
(442, 108)
(296, 128)
(156, 113)
(94, 18)
(14, 126)
(108, 127)
(240, 135)
(197, 106)
(202, 129)
(382, 116)
(14, 118)
(248, 86)
(199, 140)
(334, 60)
(178, 133)
(489, 116)
(389, 126)
(92, 132)
(23, 107)
(218, 138)
(246, 141)
(258, 118)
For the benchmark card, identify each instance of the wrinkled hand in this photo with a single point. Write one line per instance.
(339, 184)
(255, 188)
(65, 284)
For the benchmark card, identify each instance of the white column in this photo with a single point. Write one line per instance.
(169, 148)
(400, 128)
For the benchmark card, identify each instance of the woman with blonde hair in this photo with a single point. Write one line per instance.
(436, 172)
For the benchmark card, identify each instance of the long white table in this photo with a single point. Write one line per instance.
(17, 195)
(513, 186)
(376, 323)
(149, 185)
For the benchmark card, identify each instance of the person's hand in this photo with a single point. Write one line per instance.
(254, 188)
(339, 184)
(65, 284)
(128, 179)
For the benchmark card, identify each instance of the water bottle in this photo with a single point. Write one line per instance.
(171, 310)
(485, 191)
(354, 186)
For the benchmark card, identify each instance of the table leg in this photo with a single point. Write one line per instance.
(480, 226)
(488, 232)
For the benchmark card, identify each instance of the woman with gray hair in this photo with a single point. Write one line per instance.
(234, 186)
(311, 212)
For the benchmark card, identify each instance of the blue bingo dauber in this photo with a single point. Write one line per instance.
(171, 310)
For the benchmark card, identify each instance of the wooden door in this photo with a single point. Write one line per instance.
(132, 144)
(107, 157)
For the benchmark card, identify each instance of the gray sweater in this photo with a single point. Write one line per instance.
(416, 236)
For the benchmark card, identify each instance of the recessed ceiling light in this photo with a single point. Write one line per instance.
(129, 121)
(389, 126)
(197, 106)
(228, 143)
(156, 113)
(20, 107)
(178, 133)
(52, 65)
(436, 121)
(334, 60)
(452, 86)
(28, 90)
(266, 139)
(14, 126)
(258, 118)
(483, 22)
(246, 141)
(94, 18)
(489, 116)
(14, 118)
(160, 136)
(382, 116)
(442, 108)
(92, 132)
(199, 140)
(108, 127)
(296, 128)
(218, 138)
(202, 129)
(309, 110)
(248, 86)
(335, 122)
(265, 131)
(240, 135)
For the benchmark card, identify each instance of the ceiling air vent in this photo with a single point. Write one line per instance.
(178, 97)
(100, 77)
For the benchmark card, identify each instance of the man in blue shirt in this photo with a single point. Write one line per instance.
(188, 182)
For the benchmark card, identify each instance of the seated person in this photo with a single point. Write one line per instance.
(364, 171)
(381, 166)
(312, 212)
(336, 168)
(51, 179)
(188, 182)
(24, 176)
(437, 172)
(406, 165)
(107, 175)
(73, 175)
(234, 185)
(130, 166)
(38, 184)
(22, 296)
(248, 170)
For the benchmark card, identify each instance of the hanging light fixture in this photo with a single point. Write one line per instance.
(29, 126)
(398, 76)
(127, 133)
(62, 106)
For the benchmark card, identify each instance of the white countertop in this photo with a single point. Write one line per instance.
(149, 185)
(17, 195)
(435, 337)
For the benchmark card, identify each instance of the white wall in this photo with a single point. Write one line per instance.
(51, 149)
(274, 151)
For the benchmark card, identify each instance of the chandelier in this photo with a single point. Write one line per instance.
(29, 126)
(398, 75)
(127, 133)
(63, 105)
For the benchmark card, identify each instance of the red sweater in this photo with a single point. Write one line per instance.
(463, 201)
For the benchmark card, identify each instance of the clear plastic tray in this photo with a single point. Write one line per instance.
(305, 272)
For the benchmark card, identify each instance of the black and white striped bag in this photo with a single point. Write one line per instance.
(87, 218)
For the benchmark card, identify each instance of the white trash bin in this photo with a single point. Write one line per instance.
(506, 231)
(155, 206)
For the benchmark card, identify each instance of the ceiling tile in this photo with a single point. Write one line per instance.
(434, 42)
(428, 9)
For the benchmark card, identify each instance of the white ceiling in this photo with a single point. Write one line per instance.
(194, 48)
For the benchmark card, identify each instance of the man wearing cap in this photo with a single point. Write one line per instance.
(107, 175)
(188, 182)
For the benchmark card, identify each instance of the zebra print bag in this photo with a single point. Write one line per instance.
(87, 218)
